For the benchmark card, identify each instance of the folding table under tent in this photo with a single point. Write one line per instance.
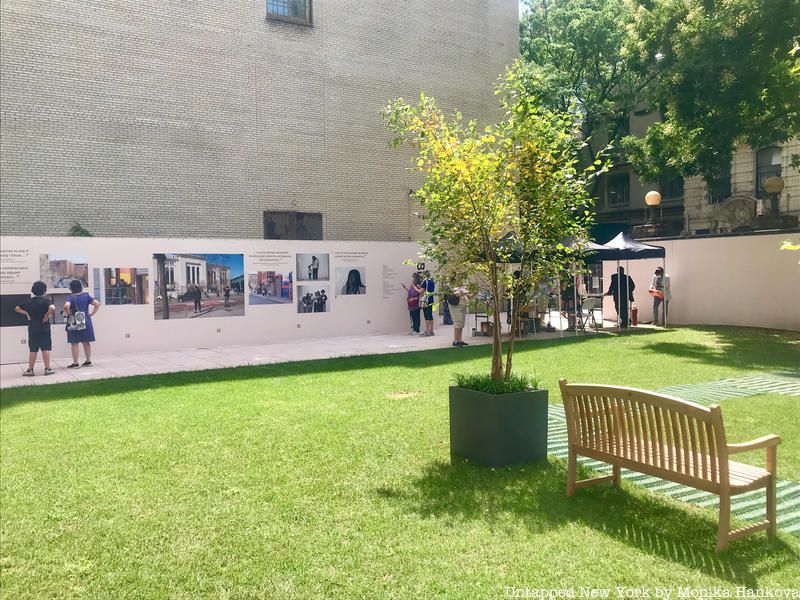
(624, 247)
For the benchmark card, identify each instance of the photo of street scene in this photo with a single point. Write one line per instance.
(313, 299)
(269, 287)
(192, 286)
(58, 270)
(313, 267)
(351, 281)
(124, 286)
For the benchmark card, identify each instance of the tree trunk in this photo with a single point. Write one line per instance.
(497, 348)
(511, 337)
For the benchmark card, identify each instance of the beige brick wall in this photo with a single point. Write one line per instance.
(701, 214)
(173, 119)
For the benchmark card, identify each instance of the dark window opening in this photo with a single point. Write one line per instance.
(618, 190)
(288, 225)
(294, 11)
(672, 188)
(768, 164)
(719, 188)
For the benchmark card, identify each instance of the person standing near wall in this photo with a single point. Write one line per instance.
(621, 290)
(412, 300)
(426, 302)
(80, 301)
(38, 311)
(458, 300)
(660, 291)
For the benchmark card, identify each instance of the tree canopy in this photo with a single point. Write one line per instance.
(576, 50)
(721, 73)
(498, 201)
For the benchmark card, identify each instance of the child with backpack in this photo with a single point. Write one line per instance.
(38, 311)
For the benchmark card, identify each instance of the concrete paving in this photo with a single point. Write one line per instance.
(197, 359)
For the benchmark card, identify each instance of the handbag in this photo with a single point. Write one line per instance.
(452, 299)
(76, 320)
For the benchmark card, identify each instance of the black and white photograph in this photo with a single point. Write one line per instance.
(351, 281)
(59, 270)
(313, 299)
(313, 267)
(269, 287)
(198, 285)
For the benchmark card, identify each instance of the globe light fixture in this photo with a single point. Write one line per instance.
(774, 186)
(652, 198)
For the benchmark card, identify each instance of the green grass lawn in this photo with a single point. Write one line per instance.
(331, 479)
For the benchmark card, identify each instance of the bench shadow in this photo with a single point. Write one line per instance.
(534, 497)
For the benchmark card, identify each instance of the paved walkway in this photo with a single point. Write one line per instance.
(197, 359)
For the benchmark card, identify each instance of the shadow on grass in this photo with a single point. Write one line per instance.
(535, 496)
(744, 348)
(749, 349)
(122, 385)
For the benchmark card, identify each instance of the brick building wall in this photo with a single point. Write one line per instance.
(190, 119)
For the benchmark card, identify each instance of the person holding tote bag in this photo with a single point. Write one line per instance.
(80, 329)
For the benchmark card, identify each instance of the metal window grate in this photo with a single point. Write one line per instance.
(295, 10)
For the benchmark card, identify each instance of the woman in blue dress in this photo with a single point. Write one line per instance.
(81, 301)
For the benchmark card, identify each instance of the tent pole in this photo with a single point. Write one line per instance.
(628, 291)
(560, 319)
(619, 328)
(664, 273)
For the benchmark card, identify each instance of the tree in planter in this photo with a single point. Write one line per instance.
(499, 202)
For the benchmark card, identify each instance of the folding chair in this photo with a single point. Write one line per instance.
(587, 313)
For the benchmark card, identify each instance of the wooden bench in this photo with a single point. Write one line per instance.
(667, 438)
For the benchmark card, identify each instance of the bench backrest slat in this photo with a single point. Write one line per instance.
(646, 428)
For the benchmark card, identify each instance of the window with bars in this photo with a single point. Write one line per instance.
(719, 188)
(672, 188)
(768, 164)
(618, 190)
(295, 11)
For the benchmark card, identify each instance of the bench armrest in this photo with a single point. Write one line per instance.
(763, 442)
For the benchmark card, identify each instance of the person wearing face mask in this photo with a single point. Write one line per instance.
(659, 290)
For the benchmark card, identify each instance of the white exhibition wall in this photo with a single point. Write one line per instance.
(265, 315)
(738, 280)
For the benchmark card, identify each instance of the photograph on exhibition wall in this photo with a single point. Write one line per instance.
(269, 287)
(59, 270)
(313, 299)
(9, 317)
(198, 285)
(313, 267)
(351, 281)
(122, 285)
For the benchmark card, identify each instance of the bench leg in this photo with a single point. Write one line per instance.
(724, 521)
(616, 472)
(771, 499)
(572, 466)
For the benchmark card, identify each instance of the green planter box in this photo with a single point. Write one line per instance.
(498, 430)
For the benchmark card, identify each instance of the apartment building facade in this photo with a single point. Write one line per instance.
(693, 206)
(238, 119)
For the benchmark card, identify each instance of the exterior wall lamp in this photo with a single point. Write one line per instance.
(652, 199)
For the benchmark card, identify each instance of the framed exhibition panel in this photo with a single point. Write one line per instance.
(172, 294)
